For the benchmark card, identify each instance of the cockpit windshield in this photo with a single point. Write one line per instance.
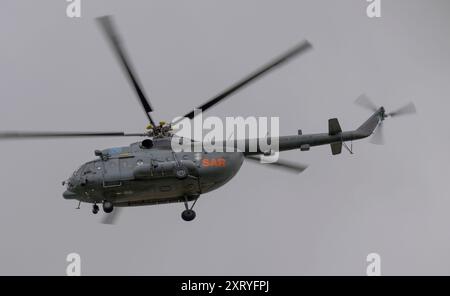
(77, 172)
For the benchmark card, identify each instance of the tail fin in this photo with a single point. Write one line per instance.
(334, 128)
(367, 128)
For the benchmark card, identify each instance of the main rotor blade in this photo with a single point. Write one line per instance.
(409, 108)
(107, 25)
(112, 218)
(300, 48)
(289, 166)
(365, 102)
(378, 136)
(37, 135)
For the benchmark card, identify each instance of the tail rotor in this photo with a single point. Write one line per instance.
(378, 136)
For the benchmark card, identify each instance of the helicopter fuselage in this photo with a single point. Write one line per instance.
(135, 175)
(151, 172)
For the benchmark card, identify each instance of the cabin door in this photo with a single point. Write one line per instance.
(111, 173)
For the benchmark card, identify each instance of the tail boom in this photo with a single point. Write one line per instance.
(335, 137)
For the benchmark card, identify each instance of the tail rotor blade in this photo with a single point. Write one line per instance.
(365, 102)
(409, 108)
(378, 135)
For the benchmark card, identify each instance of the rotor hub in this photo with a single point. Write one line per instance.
(161, 130)
(383, 114)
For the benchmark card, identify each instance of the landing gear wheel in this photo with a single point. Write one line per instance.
(181, 172)
(108, 206)
(95, 209)
(188, 215)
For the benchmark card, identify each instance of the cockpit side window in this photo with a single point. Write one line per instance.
(78, 171)
(88, 168)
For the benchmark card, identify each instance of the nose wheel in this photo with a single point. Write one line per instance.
(189, 214)
(108, 207)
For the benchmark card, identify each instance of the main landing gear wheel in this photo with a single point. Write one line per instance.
(95, 209)
(108, 206)
(189, 214)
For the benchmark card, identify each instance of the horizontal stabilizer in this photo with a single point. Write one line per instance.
(336, 148)
(334, 128)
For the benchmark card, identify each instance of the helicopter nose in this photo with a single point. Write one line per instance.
(69, 195)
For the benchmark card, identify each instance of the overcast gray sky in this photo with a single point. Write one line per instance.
(58, 73)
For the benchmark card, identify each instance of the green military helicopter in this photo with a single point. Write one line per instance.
(150, 172)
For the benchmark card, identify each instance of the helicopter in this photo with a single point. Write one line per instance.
(150, 172)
